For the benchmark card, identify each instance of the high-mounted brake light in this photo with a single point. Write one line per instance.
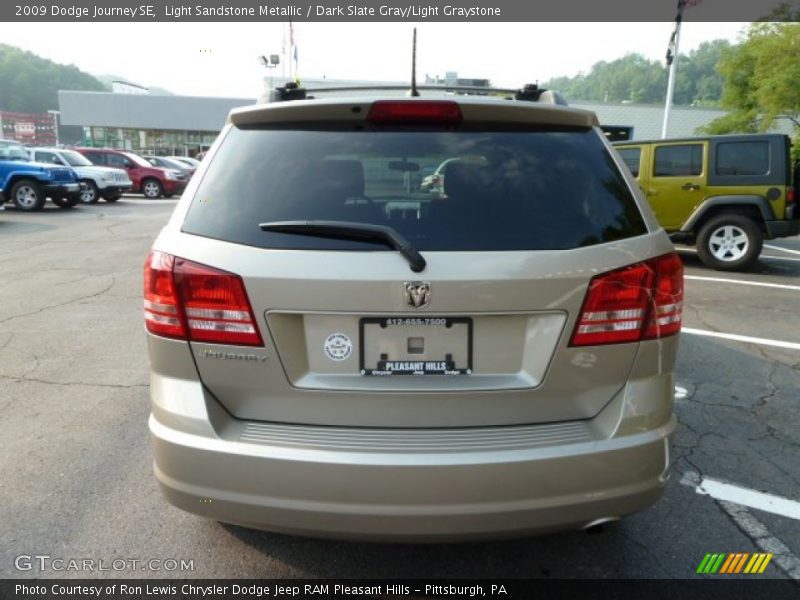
(415, 111)
(642, 301)
(186, 300)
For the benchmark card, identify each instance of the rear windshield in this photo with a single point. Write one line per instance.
(441, 190)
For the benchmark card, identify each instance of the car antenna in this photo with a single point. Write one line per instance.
(413, 91)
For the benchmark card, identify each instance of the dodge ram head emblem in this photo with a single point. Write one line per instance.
(418, 293)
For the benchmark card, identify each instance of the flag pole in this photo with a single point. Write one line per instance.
(291, 50)
(672, 62)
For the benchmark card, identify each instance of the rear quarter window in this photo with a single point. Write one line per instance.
(498, 190)
(742, 158)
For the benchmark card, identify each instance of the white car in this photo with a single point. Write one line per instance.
(104, 182)
(187, 160)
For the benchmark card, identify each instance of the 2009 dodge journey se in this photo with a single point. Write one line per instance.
(336, 351)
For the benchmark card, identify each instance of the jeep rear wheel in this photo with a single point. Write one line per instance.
(27, 195)
(729, 243)
(151, 188)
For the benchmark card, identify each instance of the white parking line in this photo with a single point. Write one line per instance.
(770, 503)
(789, 250)
(780, 286)
(767, 256)
(742, 338)
(725, 493)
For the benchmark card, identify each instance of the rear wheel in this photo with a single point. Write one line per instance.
(89, 194)
(729, 242)
(27, 195)
(151, 188)
(111, 198)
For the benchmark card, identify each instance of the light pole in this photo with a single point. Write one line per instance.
(270, 63)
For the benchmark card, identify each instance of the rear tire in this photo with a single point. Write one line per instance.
(729, 243)
(152, 189)
(27, 195)
(111, 198)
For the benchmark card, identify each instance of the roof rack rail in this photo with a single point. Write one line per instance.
(531, 92)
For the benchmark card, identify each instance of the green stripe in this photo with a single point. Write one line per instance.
(703, 563)
(711, 562)
(718, 564)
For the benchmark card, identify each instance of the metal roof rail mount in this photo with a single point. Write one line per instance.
(290, 91)
(528, 93)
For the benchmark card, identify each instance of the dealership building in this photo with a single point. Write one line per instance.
(186, 125)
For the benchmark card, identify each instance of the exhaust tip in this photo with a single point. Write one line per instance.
(598, 525)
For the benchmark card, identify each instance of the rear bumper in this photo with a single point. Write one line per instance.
(409, 495)
(779, 229)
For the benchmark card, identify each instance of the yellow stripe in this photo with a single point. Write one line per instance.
(727, 563)
(757, 565)
(741, 562)
(751, 564)
(765, 563)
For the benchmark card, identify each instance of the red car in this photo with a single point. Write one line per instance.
(153, 182)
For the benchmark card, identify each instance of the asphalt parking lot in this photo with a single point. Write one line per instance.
(76, 471)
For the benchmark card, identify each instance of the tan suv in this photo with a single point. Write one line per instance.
(335, 352)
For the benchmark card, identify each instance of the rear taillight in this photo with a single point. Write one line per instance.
(198, 303)
(415, 111)
(666, 309)
(162, 314)
(791, 195)
(642, 301)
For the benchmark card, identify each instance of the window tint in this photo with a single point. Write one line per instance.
(95, 157)
(631, 156)
(496, 191)
(115, 160)
(742, 158)
(48, 157)
(674, 161)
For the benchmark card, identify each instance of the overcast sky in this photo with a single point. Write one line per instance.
(220, 59)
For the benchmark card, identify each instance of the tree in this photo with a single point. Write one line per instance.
(634, 78)
(698, 82)
(631, 78)
(761, 79)
(29, 83)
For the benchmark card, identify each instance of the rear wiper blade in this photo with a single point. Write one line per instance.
(346, 230)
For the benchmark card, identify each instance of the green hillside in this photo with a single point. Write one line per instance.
(29, 83)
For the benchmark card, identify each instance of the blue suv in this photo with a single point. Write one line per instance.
(28, 184)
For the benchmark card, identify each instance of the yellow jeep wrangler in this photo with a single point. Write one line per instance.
(725, 193)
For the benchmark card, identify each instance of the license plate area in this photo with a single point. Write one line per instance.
(415, 346)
